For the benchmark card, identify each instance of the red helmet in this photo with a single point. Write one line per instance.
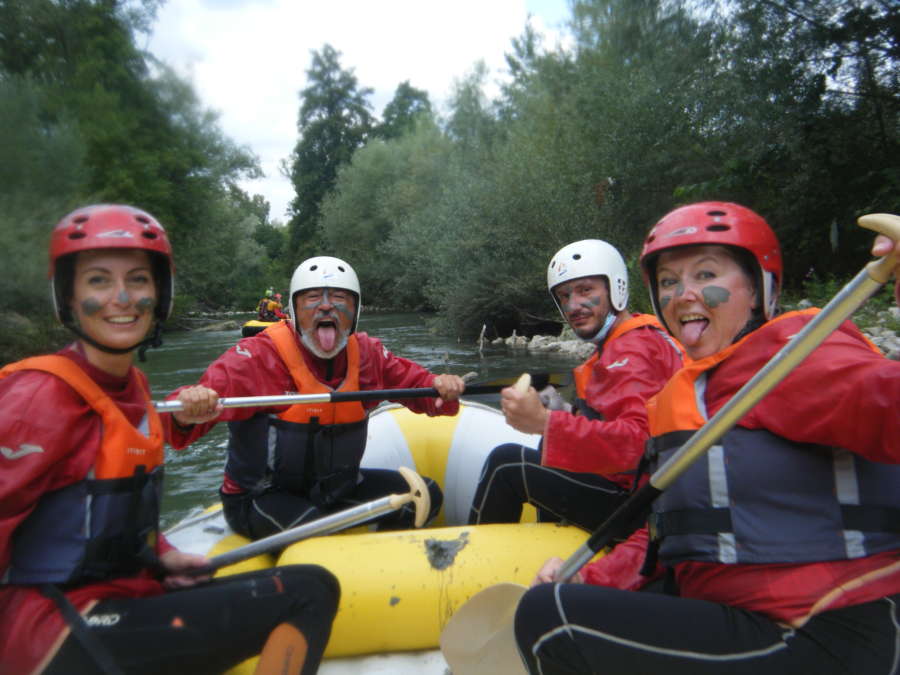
(104, 226)
(725, 224)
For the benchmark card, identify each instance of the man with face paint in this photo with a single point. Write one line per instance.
(289, 466)
(588, 455)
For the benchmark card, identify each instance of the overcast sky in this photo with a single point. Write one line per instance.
(247, 59)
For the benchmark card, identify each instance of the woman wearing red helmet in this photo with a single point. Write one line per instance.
(784, 540)
(83, 566)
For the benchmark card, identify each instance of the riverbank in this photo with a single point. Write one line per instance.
(878, 329)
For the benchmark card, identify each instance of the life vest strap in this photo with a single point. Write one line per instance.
(870, 518)
(690, 521)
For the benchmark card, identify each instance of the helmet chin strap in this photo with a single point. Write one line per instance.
(601, 334)
(153, 340)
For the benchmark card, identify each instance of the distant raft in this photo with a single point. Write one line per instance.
(254, 326)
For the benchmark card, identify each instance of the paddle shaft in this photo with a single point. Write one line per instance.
(418, 494)
(330, 397)
(622, 521)
(325, 525)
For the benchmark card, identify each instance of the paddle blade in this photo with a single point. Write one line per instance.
(479, 637)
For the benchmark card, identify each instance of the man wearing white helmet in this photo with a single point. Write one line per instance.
(291, 465)
(588, 455)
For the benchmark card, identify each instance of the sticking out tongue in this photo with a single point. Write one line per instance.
(692, 330)
(326, 336)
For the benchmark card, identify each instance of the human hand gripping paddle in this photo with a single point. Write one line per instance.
(479, 637)
(418, 495)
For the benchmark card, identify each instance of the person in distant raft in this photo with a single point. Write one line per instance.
(84, 569)
(265, 308)
(587, 459)
(289, 466)
(784, 539)
(275, 307)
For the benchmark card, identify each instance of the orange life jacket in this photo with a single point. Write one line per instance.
(582, 374)
(313, 449)
(106, 524)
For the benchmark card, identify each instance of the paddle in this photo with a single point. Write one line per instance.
(539, 380)
(418, 495)
(472, 644)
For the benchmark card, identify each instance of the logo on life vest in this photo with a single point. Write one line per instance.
(136, 451)
(24, 449)
(105, 620)
(618, 364)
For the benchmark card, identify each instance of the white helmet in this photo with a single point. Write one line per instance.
(590, 258)
(325, 272)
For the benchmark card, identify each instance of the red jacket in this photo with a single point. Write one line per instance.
(38, 410)
(631, 368)
(842, 395)
(253, 367)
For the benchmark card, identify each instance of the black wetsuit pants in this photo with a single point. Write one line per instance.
(261, 515)
(207, 628)
(576, 628)
(513, 475)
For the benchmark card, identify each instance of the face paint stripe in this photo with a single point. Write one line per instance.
(714, 296)
(91, 306)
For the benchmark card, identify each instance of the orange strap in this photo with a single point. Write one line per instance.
(285, 341)
(123, 447)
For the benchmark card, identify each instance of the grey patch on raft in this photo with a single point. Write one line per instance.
(441, 554)
(394, 600)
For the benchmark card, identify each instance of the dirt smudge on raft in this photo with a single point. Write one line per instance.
(441, 554)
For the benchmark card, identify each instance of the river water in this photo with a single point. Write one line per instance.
(193, 475)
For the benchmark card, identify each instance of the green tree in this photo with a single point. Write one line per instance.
(386, 184)
(334, 121)
(41, 178)
(145, 138)
(400, 114)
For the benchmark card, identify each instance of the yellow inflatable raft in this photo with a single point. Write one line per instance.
(399, 589)
(254, 326)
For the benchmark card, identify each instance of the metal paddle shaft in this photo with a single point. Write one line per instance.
(850, 298)
(418, 494)
(325, 525)
(332, 397)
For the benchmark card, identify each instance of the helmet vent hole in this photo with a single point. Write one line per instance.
(341, 269)
(142, 219)
(148, 235)
(576, 256)
(716, 213)
(80, 219)
(77, 235)
(313, 268)
(718, 228)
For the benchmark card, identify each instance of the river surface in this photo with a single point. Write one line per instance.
(193, 475)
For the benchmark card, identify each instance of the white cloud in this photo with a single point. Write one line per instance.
(247, 59)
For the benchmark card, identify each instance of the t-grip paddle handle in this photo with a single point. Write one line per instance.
(418, 494)
(523, 383)
(889, 225)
